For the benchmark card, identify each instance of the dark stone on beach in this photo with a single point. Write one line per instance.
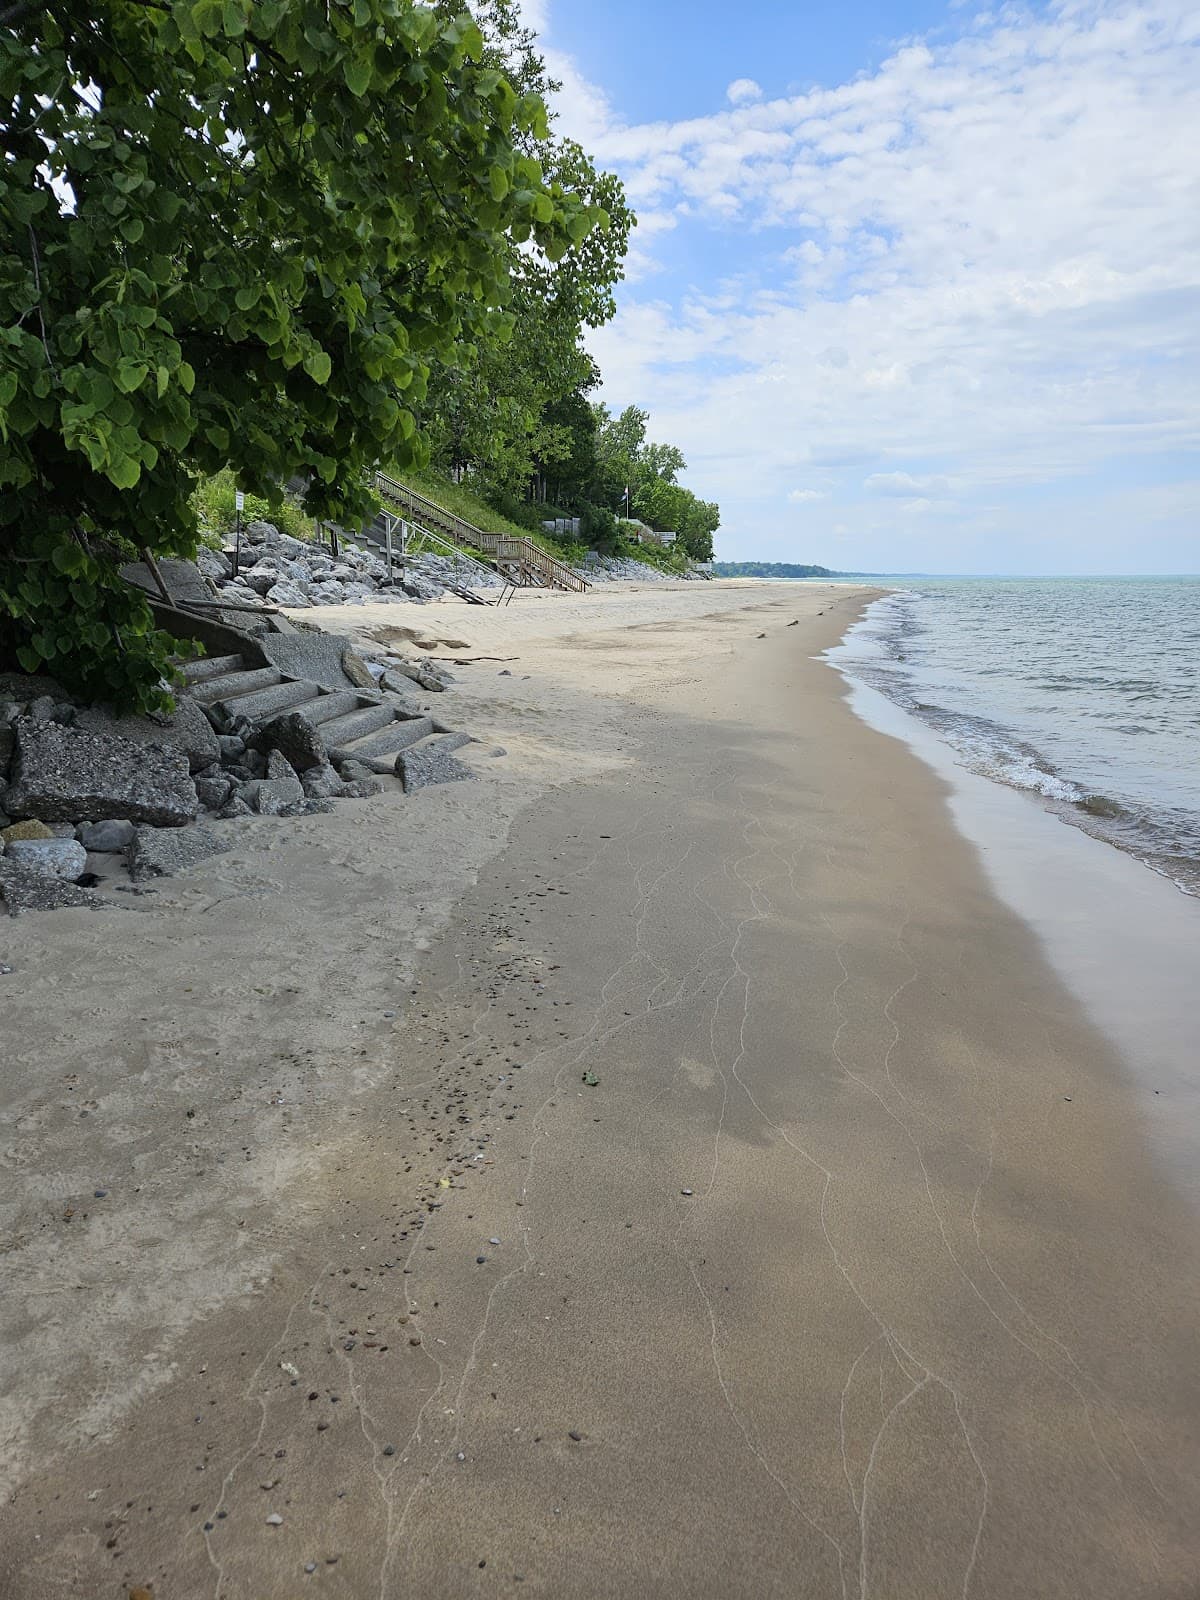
(322, 783)
(389, 1449)
(281, 787)
(420, 768)
(68, 774)
(213, 792)
(296, 739)
(161, 852)
(24, 890)
(105, 837)
(573, 1434)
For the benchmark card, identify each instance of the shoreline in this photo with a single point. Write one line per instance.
(849, 1129)
(859, 656)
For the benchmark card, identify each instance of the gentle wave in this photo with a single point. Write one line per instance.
(1084, 693)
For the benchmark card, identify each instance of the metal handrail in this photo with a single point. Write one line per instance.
(500, 546)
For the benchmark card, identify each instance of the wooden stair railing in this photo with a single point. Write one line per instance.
(537, 566)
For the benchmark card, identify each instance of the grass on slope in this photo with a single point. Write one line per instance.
(472, 508)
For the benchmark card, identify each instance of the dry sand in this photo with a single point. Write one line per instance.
(849, 1276)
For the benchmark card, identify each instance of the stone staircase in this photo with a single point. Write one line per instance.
(354, 724)
(521, 562)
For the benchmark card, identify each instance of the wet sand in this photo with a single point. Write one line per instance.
(850, 1275)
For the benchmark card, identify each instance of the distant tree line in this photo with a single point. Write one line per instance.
(771, 569)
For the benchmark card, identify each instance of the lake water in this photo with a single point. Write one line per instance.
(1085, 691)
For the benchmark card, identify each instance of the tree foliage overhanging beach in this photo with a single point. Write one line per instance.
(298, 241)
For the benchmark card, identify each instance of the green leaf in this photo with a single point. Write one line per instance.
(129, 373)
(124, 471)
(357, 74)
(318, 366)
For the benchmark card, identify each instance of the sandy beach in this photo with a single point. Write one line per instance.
(660, 1167)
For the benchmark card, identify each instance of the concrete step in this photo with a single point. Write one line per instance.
(269, 702)
(333, 705)
(210, 667)
(235, 683)
(449, 742)
(384, 746)
(341, 731)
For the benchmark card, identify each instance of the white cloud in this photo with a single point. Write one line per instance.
(742, 90)
(979, 257)
(801, 496)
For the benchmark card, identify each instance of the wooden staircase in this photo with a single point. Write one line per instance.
(355, 726)
(519, 561)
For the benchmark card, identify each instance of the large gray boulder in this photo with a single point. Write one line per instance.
(186, 728)
(213, 564)
(161, 852)
(106, 837)
(68, 774)
(57, 858)
(288, 593)
(26, 890)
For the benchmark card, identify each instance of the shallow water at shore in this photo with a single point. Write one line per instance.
(1085, 692)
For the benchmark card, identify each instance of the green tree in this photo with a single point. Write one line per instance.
(494, 408)
(236, 232)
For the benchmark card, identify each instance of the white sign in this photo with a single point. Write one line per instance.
(239, 500)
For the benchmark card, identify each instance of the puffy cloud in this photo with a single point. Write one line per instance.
(979, 257)
(742, 90)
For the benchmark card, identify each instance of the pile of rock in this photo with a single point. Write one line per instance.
(78, 784)
(277, 570)
(624, 569)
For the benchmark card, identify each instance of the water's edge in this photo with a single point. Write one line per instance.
(1124, 940)
(1056, 712)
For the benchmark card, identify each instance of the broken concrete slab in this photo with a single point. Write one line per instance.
(424, 766)
(358, 672)
(183, 579)
(162, 852)
(450, 741)
(26, 890)
(322, 783)
(297, 740)
(69, 774)
(281, 787)
(312, 656)
(399, 671)
(57, 858)
(213, 792)
(186, 728)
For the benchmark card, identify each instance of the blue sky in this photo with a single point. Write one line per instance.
(916, 287)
